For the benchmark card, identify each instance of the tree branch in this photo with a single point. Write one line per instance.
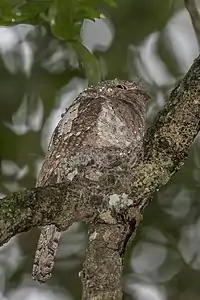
(103, 266)
(169, 139)
(195, 17)
(24, 210)
(112, 204)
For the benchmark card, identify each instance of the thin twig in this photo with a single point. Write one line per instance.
(195, 17)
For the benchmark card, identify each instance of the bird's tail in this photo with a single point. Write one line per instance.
(45, 253)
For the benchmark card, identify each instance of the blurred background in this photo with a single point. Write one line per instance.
(148, 41)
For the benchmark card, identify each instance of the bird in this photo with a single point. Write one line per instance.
(103, 126)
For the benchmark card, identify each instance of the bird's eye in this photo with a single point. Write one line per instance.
(120, 86)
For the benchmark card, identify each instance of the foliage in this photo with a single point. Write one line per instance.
(65, 19)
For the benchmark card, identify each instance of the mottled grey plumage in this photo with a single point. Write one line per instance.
(103, 126)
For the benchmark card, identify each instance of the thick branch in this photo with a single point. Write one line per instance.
(103, 266)
(168, 141)
(113, 200)
(44, 205)
(167, 144)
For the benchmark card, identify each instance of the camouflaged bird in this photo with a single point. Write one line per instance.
(97, 132)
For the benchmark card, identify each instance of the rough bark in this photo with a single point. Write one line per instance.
(168, 140)
(113, 204)
(22, 211)
(103, 266)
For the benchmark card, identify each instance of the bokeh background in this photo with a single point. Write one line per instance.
(152, 42)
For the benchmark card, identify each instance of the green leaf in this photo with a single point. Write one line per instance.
(111, 3)
(87, 13)
(65, 17)
(13, 11)
(62, 21)
(33, 8)
(89, 61)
